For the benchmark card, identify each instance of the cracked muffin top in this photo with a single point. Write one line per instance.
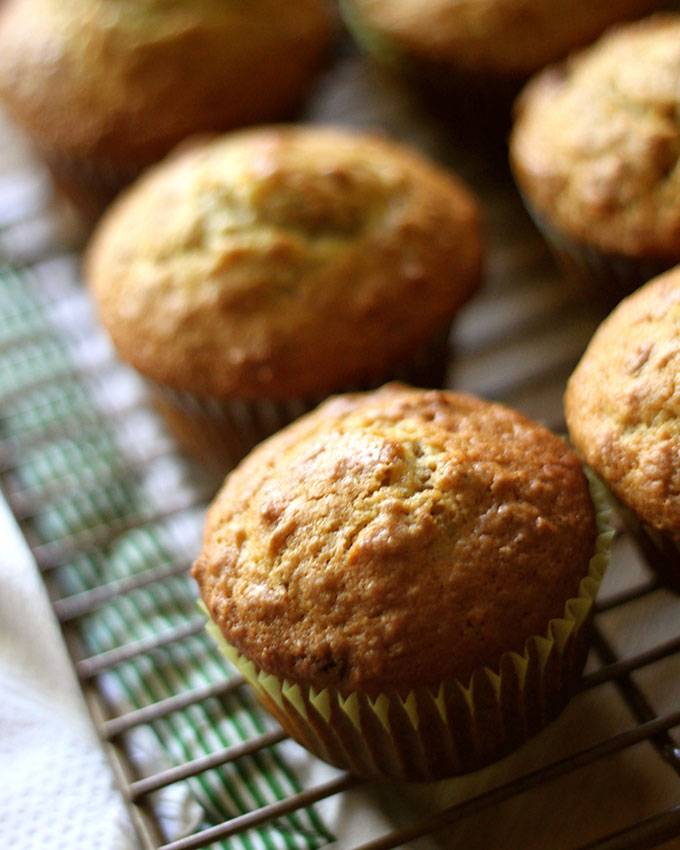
(283, 261)
(596, 141)
(623, 403)
(506, 37)
(396, 538)
(125, 80)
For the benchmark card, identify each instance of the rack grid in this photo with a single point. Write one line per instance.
(88, 472)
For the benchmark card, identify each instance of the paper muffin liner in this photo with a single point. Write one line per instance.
(89, 185)
(220, 432)
(455, 727)
(602, 278)
(485, 97)
(661, 551)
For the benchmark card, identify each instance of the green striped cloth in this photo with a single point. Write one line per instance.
(75, 423)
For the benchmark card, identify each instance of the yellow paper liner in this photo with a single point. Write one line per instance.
(452, 729)
(659, 549)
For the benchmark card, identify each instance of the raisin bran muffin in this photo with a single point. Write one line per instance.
(256, 273)
(595, 150)
(491, 45)
(405, 577)
(623, 413)
(105, 87)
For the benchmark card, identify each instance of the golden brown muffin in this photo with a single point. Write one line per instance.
(391, 542)
(284, 263)
(504, 38)
(107, 86)
(623, 404)
(595, 150)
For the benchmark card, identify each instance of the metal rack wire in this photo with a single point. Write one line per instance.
(500, 352)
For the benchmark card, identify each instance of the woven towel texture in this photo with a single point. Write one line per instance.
(74, 425)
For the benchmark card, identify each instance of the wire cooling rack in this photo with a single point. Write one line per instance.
(113, 518)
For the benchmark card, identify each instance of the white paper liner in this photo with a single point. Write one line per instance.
(88, 184)
(602, 277)
(456, 727)
(489, 89)
(221, 432)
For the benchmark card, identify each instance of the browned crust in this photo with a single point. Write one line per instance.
(281, 262)
(623, 403)
(510, 38)
(124, 81)
(596, 142)
(393, 539)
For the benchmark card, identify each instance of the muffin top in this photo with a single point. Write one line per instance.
(509, 37)
(623, 403)
(125, 80)
(596, 141)
(284, 261)
(396, 538)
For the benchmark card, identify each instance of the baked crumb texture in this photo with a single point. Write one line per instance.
(281, 262)
(507, 38)
(104, 88)
(122, 81)
(391, 546)
(596, 140)
(623, 404)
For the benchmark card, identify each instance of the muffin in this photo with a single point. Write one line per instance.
(492, 45)
(406, 578)
(623, 413)
(105, 87)
(252, 275)
(594, 150)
